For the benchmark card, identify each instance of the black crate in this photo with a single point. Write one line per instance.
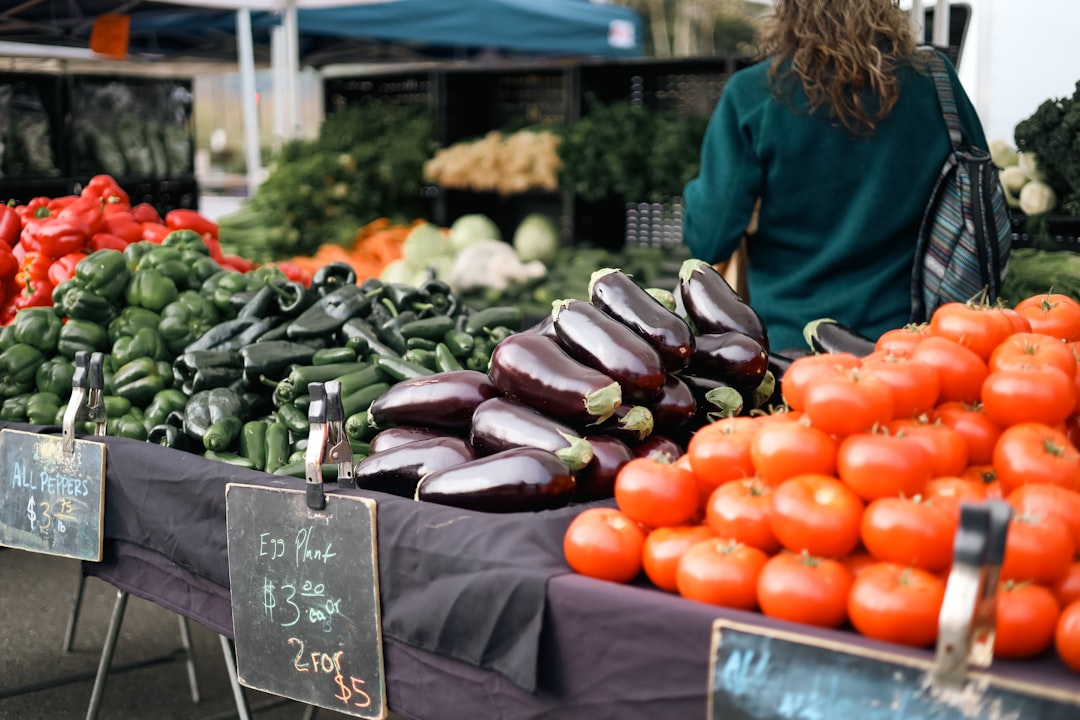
(22, 190)
(32, 110)
(475, 102)
(164, 194)
(404, 89)
(686, 86)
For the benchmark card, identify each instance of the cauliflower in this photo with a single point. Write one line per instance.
(491, 264)
(1036, 198)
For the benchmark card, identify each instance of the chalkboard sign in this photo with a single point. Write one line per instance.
(50, 501)
(305, 598)
(763, 674)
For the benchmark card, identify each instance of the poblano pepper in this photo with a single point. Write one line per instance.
(105, 273)
(54, 375)
(207, 407)
(18, 366)
(39, 327)
(329, 313)
(151, 289)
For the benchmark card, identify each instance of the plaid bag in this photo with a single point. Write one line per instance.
(965, 236)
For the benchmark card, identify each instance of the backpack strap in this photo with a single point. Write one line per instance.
(943, 85)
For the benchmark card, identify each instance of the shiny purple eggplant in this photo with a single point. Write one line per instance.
(733, 357)
(713, 306)
(659, 446)
(500, 424)
(521, 479)
(675, 406)
(399, 435)
(397, 470)
(596, 481)
(445, 401)
(629, 423)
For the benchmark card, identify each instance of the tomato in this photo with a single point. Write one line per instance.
(1041, 394)
(816, 514)
(1052, 314)
(986, 476)
(603, 543)
(1027, 349)
(804, 589)
(1038, 548)
(721, 572)
(876, 465)
(949, 492)
(1032, 452)
(720, 451)
(858, 561)
(897, 604)
(909, 532)
(944, 446)
(802, 369)
(740, 510)
(960, 370)
(1067, 588)
(780, 450)
(1019, 322)
(915, 386)
(1026, 617)
(899, 342)
(656, 493)
(980, 433)
(664, 547)
(979, 328)
(1040, 499)
(842, 403)
(1067, 635)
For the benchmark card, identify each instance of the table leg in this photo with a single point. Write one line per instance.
(189, 657)
(76, 605)
(242, 710)
(107, 654)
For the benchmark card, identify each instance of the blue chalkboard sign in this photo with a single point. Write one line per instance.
(758, 673)
(51, 501)
(305, 598)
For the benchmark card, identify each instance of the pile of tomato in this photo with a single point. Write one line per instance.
(840, 509)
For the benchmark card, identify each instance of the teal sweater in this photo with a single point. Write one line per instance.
(839, 212)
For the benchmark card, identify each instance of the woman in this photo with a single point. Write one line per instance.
(839, 133)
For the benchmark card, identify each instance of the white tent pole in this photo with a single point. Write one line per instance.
(291, 32)
(941, 23)
(917, 20)
(277, 67)
(246, 51)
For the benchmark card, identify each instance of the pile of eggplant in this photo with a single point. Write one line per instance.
(566, 403)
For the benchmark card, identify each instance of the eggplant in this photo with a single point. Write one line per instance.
(675, 406)
(516, 480)
(826, 335)
(397, 470)
(594, 338)
(659, 446)
(596, 481)
(546, 326)
(500, 424)
(395, 436)
(715, 399)
(620, 297)
(713, 306)
(630, 423)
(733, 357)
(535, 370)
(444, 401)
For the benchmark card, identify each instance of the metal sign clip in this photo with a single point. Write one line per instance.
(86, 403)
(327, 442)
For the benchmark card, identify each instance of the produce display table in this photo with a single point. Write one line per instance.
(480, 615)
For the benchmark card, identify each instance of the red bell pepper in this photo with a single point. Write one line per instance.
(87, 209)
(107, 241)
(183, 219)
(235, 262)
(56, 238)
(37, 294)
(34, 268)
(37, 208)
(154, 232)
(294, 272)
(123, 225)
(64, 268)
(10, 225)
(9, 266)
(59, 203)
(116, 206)
(106, 188)
(145, 212)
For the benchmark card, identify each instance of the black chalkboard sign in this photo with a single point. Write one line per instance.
(305, 598)
(50, 501)
(764, 674)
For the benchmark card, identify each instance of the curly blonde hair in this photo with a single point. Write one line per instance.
(844, 52)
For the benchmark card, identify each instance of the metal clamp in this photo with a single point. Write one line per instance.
(327, 442)
(86, 403)
(966, 625)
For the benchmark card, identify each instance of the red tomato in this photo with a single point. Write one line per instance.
(986, 476)
(876, 465)
(805, 589)
(909, 532)
(901, 341)
(944, 446)
(1034, 453)
(816, 514)
(780, 450)
(1026, 617)
(656, 493)
(960, 370)
(1052, 314)
(740, 510)
(1027, 349)
(802, 369)
(720, 451)
(1040, 499)
(980, 433)
(897, 604)
(664, 547)
(979, 328)
(858, 561)
(1038, 548)
(1019, 322)
(1042, 394)
(915, 386)
(1067, 635)
(949, 492)
(847, 402)
(1067, 588)
(603, 543)
(721, 572)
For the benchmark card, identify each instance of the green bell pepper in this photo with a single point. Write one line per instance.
(224, 288)
(151, 289)
(37, 326)
(7, 337)
(18, 365)
(131, 319)
(168, 261)
(185, 240)
(129, 426)
(164, 402)
(79, 335)
(138, 380)
(202, 268)
(136, 251)
(185, 319)
(41, 408)
(85, 304)
(54, 375)
(104, 272)
(13, 409)
(146, 342)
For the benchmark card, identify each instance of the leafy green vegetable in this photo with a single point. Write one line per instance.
(1053, 134)
(1034, 271)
